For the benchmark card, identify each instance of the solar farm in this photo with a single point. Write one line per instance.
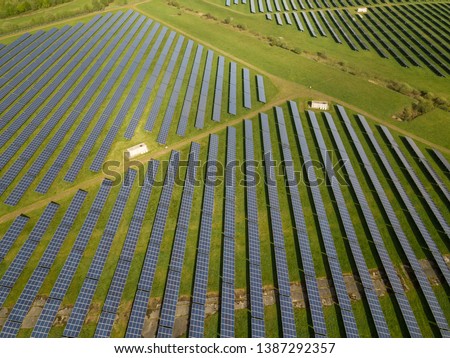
(251, 213)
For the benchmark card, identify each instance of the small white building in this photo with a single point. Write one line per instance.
(362, 10)
(322, 105)
(136, 150)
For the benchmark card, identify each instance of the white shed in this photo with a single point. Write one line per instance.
(362, 10)
(136, 150)
(322, 105)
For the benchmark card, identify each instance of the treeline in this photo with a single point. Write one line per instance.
(10, 8)
(42, 19)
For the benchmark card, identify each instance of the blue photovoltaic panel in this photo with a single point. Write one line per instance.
(261, 89)
(256, 292)
(154, 111)
(227, 297)
(232, 95)
(312, 289)
(327, 237)
(90, 283)
(349, 229)
(26, 298)
(196, 326)
(429, 169)
(139, 111)
(395, 224)
(201, 109)
(187, 104)
(105, 324)
(412, 210)
(284, 289)
(443, 161)
(168, 116)
(21, 260)
(218, 89)
(139, 310)
(84, 152)
(169, 303)
(12, 234)
(375, 233)
(247, 89)
(45, 155)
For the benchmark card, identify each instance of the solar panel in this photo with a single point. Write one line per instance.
(283, 283)
(247, 89)
(395, 224)
(445, 164)
(12, 234)
(428, 168)
(169, 303)
(312, 290)
(308, 24)
(196, 326)
(167, 120)
(112, 301)
(336, 271)
(89, 286)
(218, 89)
(201, 110)
(182, 123)
(139, 309)
(412, 211)
(76, 166)
(17, 266)
(165, 83)
(232, 95)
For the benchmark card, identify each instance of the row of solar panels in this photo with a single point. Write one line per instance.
(293, 5)
(141, 300)
(385, 32)
(112, 35)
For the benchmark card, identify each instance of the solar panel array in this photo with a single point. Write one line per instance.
(122, 270)
(441, 159)
(37, 140)
(247, 89)
(256, 286)
(187, 104)
(217, 107)
(140, 304)
(20, 261)
(412, 210)
(201, 109)
(411, 30)
(170, 110)
(406, 247)
(90, 283)
(261, 89)
(160, 96)
(40, 162)
(349, 229)
(170, 300)
(139, 111)
(232, 98)
(120, 118)
(12, 234)
(101, 123)
(228, 250)
(428, 168)
(282, 272)
(312, 289)
(66, 275)
(336, 272)
(394, 280)
(197, 318)
(34, 283)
